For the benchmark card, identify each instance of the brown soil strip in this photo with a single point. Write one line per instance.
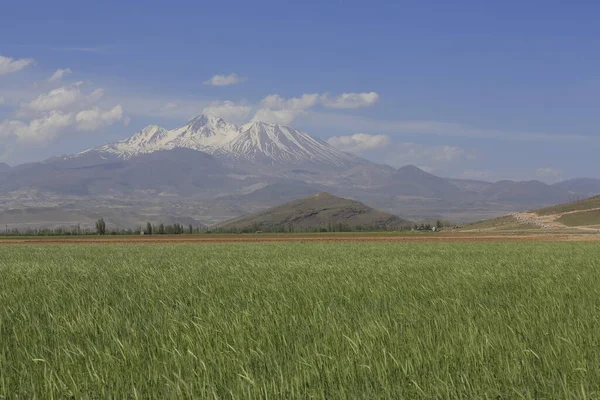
(224, 239)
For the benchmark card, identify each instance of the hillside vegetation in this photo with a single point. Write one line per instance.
(587, 204)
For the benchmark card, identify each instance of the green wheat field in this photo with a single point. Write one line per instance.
(300, 320)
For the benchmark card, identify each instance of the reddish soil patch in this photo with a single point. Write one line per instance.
(273, 238)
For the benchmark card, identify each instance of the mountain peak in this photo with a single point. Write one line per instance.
(152, 128)
(256, 142)
(205, 120)
(256, 122)
(150, 134)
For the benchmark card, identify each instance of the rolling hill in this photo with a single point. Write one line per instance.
(322, 210)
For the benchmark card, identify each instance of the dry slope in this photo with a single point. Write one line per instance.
(582, 215)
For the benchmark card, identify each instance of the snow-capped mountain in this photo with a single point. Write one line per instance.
(255, 142)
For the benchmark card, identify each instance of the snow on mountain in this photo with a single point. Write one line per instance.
(255, 142)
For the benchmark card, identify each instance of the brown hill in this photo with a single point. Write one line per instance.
(320, 211)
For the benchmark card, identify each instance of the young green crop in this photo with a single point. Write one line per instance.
(283, 321)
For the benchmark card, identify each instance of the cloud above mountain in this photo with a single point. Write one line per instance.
(224, 80)
(61, 98)
(359, 142)
(48, 112)
(282, 117)
(95, 118)
(229, 111)
(350, 100)
(277, 109)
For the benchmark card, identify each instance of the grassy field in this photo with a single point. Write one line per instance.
(300, 320)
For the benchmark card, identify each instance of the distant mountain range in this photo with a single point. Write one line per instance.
(210, 170)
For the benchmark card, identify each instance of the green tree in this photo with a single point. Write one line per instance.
(101, 226)
(161, 229)
(148, 228)
(438, 224)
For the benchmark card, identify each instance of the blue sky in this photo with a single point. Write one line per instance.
(486, 90)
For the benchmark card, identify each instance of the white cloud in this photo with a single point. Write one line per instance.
(61, 111)
(224, 80)
(56, 99)
(66, 98)
(359, 142)
(350, 100)
(95, 96)
(281, 117)
(276, 102)
(9, 65)
(40, 130)
(59, 74)
(53, 124)
(277, 109)
(92, 119)
(229, 111)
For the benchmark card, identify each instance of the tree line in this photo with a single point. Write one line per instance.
(101, 228)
